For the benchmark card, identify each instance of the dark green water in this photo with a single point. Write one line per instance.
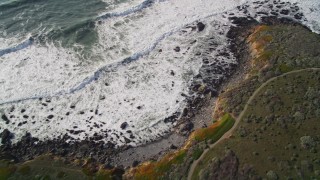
(68, 22)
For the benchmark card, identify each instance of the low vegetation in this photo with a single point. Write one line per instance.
(162, 168)
(277, 137)
(49, 167)
(279, 130)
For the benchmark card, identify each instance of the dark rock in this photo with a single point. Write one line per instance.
(132, 136)
(187, 127)
(12, 109)
(242, 21)
(196, 87)
(108, 166)
(298, 16)
(200, 26)
(274, 13)
(171, 119)
(118, 173)
(284, 12)
(214, 93)
(97, 137)
(127, 140)
(50, 116)
(124, 125)
(177, 49)
(263, 13)
(6, 136)
(81, 131)
(135, 163)
(173, 146)
(5, 118)
(26, 138)
(185, 112)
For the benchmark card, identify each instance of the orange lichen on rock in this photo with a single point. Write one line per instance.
(154, 170)
(257, 42)
(219, 108)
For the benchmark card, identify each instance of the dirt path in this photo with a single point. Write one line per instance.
(230, 132)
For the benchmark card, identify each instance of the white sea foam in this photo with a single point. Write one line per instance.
(115, 6)
(311, 10)
(136, 32)
(9, 42)
(142, 93)
(36, 71)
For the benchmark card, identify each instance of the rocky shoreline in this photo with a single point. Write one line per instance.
(199, 106)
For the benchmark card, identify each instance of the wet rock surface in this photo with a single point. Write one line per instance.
(6, 136)
(200, 26)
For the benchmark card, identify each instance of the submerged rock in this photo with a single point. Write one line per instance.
(124, 125)
(5, 118)
(177, 49)
(200, 26)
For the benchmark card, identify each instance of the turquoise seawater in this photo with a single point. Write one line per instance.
(59, 21)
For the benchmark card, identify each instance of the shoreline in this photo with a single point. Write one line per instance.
(168, 143)
(191, 118)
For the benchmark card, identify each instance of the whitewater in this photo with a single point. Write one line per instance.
(122, 85)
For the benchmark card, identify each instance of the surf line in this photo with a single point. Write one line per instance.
(108, 68)
(143, 5)
(18, 47)
(30, 41)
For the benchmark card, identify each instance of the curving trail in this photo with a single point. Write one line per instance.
(230, 132)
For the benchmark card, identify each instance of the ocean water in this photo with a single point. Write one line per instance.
(84, 68)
